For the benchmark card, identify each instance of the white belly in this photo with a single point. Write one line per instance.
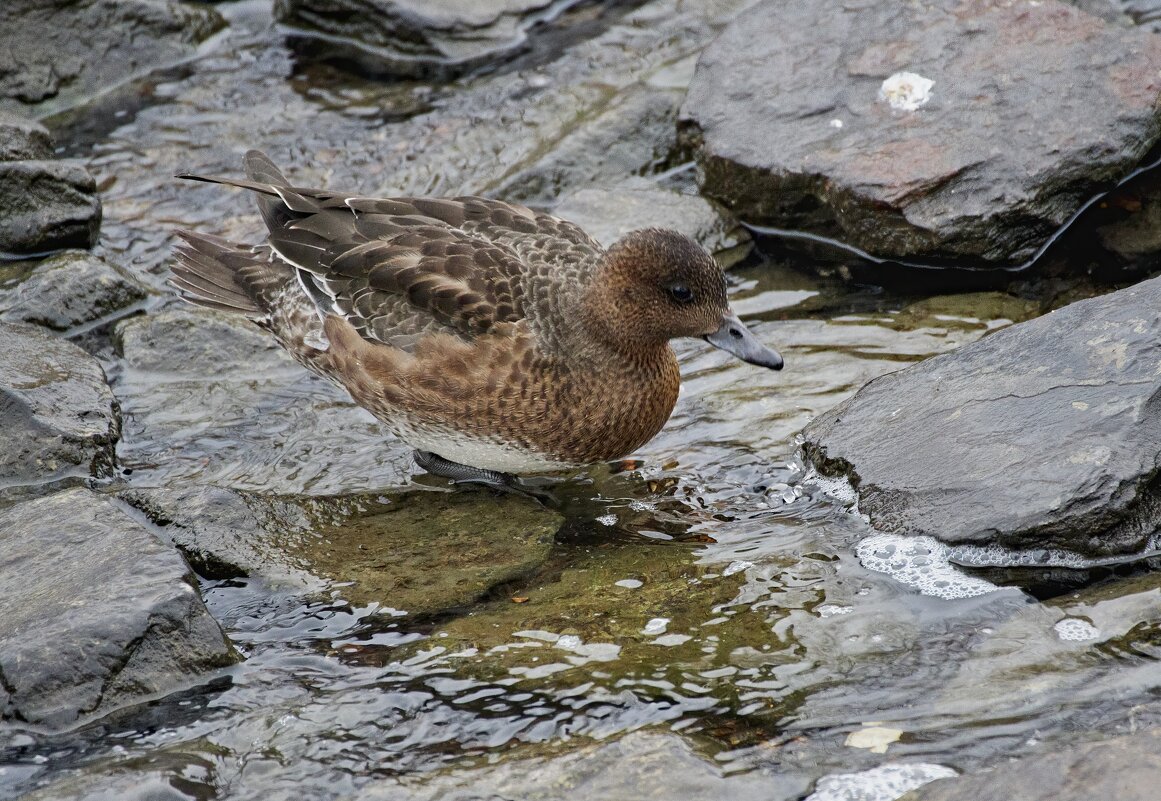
(476, 452)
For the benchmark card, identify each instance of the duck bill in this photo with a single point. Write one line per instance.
(735, 338)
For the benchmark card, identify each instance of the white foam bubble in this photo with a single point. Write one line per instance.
(884, 783)
(1075, 629)
(922, 563)
(831, 610)
(836, 487)
(999, 556)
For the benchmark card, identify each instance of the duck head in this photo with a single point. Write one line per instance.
(655, 285)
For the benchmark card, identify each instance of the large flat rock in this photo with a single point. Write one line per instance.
(208, 398)
(419, 552)
(1046, 433)
(1124, 768)
(70, 289)
(95, 612)
(1032, 106)
(641, 765)
(59, 415)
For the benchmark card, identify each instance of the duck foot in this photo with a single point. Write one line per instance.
(466, 474)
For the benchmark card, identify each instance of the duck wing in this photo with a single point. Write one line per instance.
(397, 269)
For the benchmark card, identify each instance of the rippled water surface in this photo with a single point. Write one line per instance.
(714, 593)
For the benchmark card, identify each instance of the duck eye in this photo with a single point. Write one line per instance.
(681, 293)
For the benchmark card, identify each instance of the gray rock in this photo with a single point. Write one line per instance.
(60, 417)
(22, 138)
(1046, 433)
(425, 37)
(70, 289)
(226, 534)
(115, 784)
(1124, 768)
(58, 53)
(641, 765)
(792, 129)
(95, 612)
(418, 551)
(630, 136)
(608, 214)
(46, 206)
(209, 398)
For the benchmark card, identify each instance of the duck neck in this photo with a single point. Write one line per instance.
(606, 335)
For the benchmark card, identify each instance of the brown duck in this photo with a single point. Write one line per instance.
(492, 338)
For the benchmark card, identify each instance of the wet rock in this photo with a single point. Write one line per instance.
(22, 138)
(618, 611)
(631, 135)
(60, 417)
(607, 214)
(639, 765)
(95, 612)
(68, 290)
(210, 398)
(418, 552)
(120, 784)
(424, 552)
(227, 534)
(58, 53)
(1125, 768)
(976, 165)
(422, 37)
(47, 206)
(1044, 434)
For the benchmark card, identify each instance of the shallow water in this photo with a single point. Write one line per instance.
(715, 593)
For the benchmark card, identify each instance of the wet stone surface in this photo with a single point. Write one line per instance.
(69, 290)
(210, 396)
(59, 53)
(414, 553)
(424, 37)
(959, 159)
(1045, 434)
(95, 612)
(60, 417)
(609, 213)
(1123, 768)
(640, 765)
(45, 205)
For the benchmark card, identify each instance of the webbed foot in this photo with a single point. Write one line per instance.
(493, 479)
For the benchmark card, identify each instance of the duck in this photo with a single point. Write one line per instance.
(495, 340)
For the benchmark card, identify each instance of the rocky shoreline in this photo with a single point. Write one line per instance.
(151, 451)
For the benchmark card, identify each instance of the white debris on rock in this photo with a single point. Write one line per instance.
(906, 91)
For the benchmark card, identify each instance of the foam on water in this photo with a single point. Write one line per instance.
(836, 487)
(922, 563)
(1075, 629)
(884, 783)
(999, 556)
